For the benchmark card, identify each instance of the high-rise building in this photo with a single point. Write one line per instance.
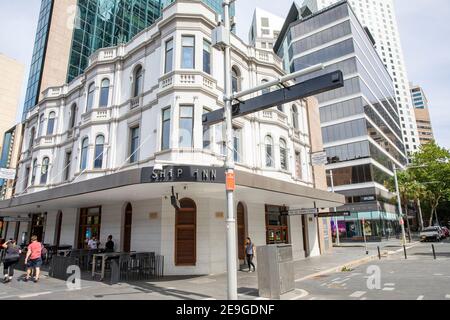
(9, 158)
(11, 79)
(90, 149)
(360, 122)
(379, 16)
(422, 113)
(69, 31)
(265, 29)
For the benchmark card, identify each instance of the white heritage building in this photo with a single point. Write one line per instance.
(90, 146)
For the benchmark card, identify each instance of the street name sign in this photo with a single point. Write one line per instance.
(334, 214)
(298, 91)
(299, 212)
(319, 158)
(8, 174)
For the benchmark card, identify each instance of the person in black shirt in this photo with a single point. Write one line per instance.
(109, 246)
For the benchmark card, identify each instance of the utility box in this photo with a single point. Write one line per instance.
(275, 270)
(220, 37)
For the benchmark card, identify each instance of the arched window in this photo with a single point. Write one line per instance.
(99, 147)
(266, 90)
(44, 170)
(127, 228)
(295, 117)
(104, 93)
(269, 151)
(84, 153)
(41, 125)
(283, 155)
(33, 172)
(73, 116)
(235, 79)
(185, 233)
(138, 79)
(32, 137)
(90, 97)
(51, 123)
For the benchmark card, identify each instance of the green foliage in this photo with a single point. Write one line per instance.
(427, 179)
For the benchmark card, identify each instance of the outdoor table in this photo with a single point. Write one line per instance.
(103, 257)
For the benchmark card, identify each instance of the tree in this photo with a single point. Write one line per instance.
(431, 168)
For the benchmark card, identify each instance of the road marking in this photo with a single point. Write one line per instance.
(389, 284)
(335, 279)
(31, 295)
(447, 296)
(261, 298)
(303, 294)
(312, 298)
(324, 284)
(363, 298)
(438, 274)
(357, 294)
(388, 289)
(209, 299)
(420, 297)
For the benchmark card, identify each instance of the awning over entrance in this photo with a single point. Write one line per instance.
(145, 183)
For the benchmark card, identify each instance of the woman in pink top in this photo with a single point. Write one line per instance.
(33, 260)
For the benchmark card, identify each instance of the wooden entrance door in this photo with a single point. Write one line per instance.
(186, 234)
(241, 230)
(127, 228)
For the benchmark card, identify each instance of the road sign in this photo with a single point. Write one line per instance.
(8, 174)
(319, 158)
(230, 182)
(334, 214)
(299, 212)
(298, 91)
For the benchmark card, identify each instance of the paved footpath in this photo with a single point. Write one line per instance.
(309, 275)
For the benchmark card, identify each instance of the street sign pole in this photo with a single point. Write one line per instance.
(229, 166)
(338, 240)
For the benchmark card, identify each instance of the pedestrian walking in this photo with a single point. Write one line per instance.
(33, 259)
(11, 258)
(250, 252)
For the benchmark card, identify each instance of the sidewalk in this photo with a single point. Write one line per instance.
(196, 288)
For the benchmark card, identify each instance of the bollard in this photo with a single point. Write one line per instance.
(379, 253)
(404, 250)
(434, 251)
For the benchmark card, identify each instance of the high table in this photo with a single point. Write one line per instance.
(103, 257)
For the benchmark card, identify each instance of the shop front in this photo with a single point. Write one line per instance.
(137, 208)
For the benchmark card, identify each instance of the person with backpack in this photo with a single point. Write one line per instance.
(33, 260)
(11, 258)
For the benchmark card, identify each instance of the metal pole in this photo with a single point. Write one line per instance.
(338, 240)
(399, 202)
(420, 215)
(229, 166)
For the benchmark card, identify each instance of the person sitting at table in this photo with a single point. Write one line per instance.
(109, 246)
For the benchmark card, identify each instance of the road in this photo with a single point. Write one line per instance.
(419, 277)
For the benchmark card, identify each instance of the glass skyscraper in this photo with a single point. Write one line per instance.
(97, 24)
(360, 122)
(37, 60)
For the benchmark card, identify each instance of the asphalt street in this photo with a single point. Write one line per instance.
(419, 277)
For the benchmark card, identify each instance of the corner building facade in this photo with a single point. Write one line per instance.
(90, 147)
(360, 122)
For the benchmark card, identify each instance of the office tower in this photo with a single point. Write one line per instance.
(69, 31)
(379, 17)
(360, 122)
(265, 29)
(91, 147)
(9, 158)
(422, 113)
(11, 78)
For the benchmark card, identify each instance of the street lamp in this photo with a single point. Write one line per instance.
(399, 202)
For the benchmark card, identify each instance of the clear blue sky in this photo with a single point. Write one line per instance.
(424, 29)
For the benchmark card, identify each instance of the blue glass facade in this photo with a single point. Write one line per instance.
(37, 60)
(98, 24)
(5, 157)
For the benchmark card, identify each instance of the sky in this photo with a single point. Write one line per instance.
(424, 29)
